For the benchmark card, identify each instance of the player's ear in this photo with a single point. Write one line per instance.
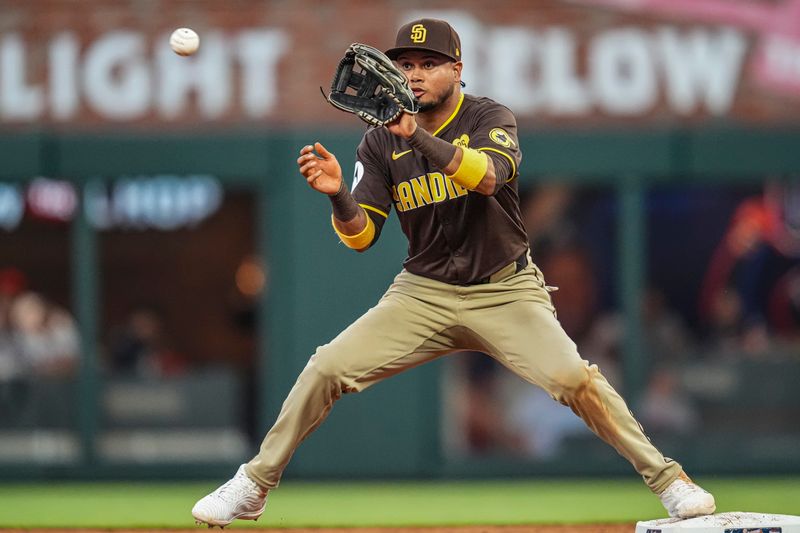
(457, 66)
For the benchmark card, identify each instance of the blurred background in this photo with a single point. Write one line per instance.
(165, 273)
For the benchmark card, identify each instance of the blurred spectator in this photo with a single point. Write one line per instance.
(666, 407)
(747, 291)
(542, 423)
(12, 283)
(665, 333)
(569, 268)
(250, 281)
(729, 334)
(784, 307)
(43, 335)
(602, 346)
(478, 399)
(139, 347)
(546, 212)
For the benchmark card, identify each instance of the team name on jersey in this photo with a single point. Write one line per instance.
(427, 189)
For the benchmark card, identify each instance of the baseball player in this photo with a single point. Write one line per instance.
(468, 282)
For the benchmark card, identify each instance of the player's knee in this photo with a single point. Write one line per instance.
(323, 366)
(327, 366)
(569, 380)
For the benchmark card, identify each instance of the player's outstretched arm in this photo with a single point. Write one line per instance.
(470, 168)
(324, 174)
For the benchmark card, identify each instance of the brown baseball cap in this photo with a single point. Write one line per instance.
(427, 34)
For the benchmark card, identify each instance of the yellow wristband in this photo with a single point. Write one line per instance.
(472, 168)
(359, 241)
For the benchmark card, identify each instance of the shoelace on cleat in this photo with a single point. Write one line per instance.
(687, 489)
(233, 490)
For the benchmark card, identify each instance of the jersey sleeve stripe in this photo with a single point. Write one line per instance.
(375, 210)
(513, 164)
(451, 117)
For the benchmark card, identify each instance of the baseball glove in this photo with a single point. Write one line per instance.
(381, 89)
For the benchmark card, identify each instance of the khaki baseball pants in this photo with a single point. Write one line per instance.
(418, 320)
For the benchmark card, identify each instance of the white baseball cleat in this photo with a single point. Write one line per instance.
(240, 497)
(685, 499)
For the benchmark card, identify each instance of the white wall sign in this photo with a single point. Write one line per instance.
(628, 71)
(126, 75)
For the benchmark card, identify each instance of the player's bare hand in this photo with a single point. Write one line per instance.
(403, 126)
(321, 169)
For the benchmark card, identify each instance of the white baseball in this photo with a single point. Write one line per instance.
(184, 41)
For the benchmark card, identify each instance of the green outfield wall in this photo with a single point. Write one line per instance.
(317, 286)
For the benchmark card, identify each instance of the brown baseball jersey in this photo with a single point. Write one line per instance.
(454, 235)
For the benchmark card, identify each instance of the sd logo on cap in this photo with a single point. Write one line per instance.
(418, 33)
(433, 35)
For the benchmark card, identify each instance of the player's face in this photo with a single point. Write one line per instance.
(433, 77)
